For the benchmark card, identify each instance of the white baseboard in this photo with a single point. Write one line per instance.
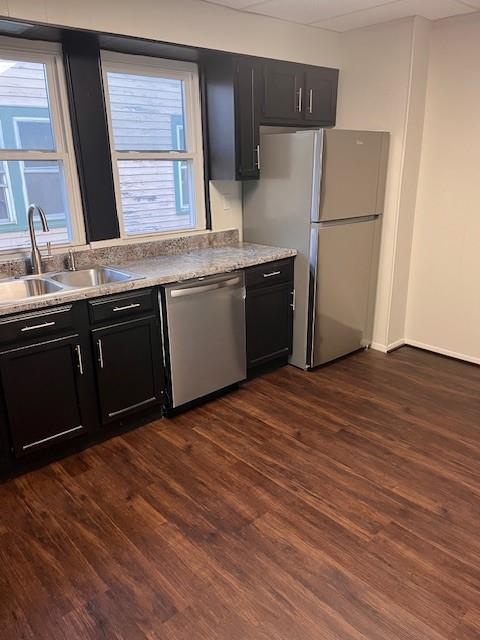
(377, 346)
(443, 352)
(386, 348)
(395, 345)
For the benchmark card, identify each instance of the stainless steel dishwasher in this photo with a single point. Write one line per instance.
(204, 332)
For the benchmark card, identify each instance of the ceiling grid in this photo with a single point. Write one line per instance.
(343, 15)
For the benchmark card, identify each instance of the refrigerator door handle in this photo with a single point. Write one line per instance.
(343, 221)
(318, 149)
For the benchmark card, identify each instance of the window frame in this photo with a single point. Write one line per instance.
(12, 214)
(161, 68)
(51, 56)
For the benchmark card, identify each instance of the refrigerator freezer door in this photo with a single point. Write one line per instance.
(346, 259)
(353, 174)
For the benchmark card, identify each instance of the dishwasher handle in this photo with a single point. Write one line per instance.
(204, 288)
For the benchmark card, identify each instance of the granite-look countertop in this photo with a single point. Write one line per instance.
(162, 269)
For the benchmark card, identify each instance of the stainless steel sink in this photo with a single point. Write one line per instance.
(92, 277)
(15, 289)
(24, 288)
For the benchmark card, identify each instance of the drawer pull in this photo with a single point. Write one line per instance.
(79, 356)
(128, 306)
(100, 353)
(38, 326)
(273, 273)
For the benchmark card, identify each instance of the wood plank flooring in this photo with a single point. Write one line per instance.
(342, 504)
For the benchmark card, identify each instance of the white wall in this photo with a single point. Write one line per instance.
(381, 85)
(412, 145)
(187, 22)
(444, 292)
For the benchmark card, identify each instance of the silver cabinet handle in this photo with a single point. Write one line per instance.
(79, 356)
(38, 326)
(128, 306)
(100, 353)
(310, 101)
(292, 304)
(258, 156)
(273, 273)
(299, 104)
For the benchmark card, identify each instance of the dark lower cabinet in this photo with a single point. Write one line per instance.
(46, 390)
(128, 366)
(269, 314)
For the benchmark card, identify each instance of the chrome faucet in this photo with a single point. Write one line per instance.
(36, 255)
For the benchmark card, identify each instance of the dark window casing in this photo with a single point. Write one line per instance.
(90, 134)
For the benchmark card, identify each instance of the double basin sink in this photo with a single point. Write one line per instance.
(28, 287)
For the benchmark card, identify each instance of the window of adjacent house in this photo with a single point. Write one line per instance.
(36, 156)
(155, 131)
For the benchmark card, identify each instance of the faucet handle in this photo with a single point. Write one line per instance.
(49, 256)
(71, 264)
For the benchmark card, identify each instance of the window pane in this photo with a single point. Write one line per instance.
(34, 134)
(42, 183)
(24, 107)
(152, 195)
(4, 211)
(45, 186)
(147, 112)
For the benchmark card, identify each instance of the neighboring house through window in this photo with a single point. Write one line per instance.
(155, 132)
(37, 163)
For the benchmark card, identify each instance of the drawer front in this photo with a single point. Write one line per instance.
(270, 273)
(115, 307)
(29, 326)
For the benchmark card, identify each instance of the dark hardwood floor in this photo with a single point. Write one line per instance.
(342, 504)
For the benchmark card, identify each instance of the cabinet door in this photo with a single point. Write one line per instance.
(269, 323)
(283, 97)
(46, 393)
(128, 367)
(247, 100)
(321, 95)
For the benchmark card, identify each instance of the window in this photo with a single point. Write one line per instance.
(155, 133)
(36, 156)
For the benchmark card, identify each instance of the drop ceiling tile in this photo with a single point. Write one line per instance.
(307, 11)
(431, 9)
(235, 4)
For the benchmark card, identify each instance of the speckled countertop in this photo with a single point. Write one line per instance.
(162, 269)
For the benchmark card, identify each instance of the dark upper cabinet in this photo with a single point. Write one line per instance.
(242, 93)
(128, 366)
(320, 101)
(296, 94)
(232, 87)
(282, 92)
(47, 392)
(269, 313)
(247, 106)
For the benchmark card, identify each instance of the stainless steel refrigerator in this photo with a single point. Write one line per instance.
(322, 192)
